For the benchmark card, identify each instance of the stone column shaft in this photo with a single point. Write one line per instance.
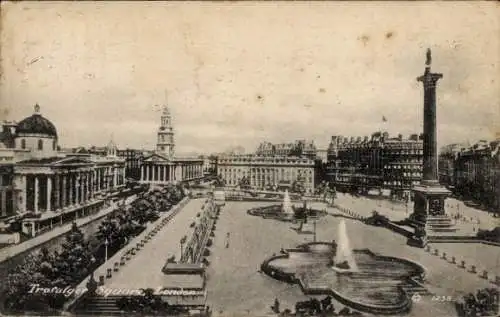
(49, 192)
(36, 195)
(430, 168)
(71, 186)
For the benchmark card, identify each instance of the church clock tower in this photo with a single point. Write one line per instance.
(165, 142)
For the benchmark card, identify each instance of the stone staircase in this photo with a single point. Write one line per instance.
(98, 305)
(440, 224)
(417, 289)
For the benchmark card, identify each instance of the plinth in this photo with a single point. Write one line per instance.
(429, 209)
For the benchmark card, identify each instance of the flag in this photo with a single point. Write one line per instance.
(384, 119)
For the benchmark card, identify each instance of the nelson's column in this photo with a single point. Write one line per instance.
(428, 211)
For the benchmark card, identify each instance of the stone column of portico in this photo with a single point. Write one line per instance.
(78, 182)
(83, 180)
(64, 190)
(70, 189)
(115, 176)
(142, 173)
(89, 188)
(146, 169)
(84, 187)
(165, 172)
(4, 203)
(49, 192)
(35, 207)
(92, 184)
(98, 180)
(57, 192)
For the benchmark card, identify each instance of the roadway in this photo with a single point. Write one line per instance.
(144, 270)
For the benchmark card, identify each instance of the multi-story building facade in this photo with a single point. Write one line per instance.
(298, 148)
(476, 173)
(376, 162)
(446, 162)
(267, 172)
(41, 186)
(402, 161)
(133, 161)
(162, 166)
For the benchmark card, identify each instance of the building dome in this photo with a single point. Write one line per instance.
(36, 124)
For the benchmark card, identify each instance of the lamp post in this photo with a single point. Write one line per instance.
(106, 250)
(314, 224)
(183, 240)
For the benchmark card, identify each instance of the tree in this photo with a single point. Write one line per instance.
(75, 257)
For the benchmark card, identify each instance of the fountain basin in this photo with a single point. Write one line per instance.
(377, 287)
(286, 211)
(275, 212)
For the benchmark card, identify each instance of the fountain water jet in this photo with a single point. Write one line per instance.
(287, 204)
(343, 260)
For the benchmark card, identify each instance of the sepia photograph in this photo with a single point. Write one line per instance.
(250, 158)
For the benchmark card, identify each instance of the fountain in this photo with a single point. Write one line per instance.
(287, 212)
(358, 278)
(343, 260)
(287, 208)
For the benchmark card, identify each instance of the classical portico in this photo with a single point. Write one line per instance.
(159, 169)
(51, 190)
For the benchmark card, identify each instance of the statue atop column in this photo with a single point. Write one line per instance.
(428, 61)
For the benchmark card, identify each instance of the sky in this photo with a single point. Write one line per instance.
(240, 73)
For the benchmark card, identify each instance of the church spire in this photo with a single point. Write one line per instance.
(165, 141)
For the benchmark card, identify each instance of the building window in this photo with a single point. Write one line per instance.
(40, 144)
(54, 145)
(23, 144)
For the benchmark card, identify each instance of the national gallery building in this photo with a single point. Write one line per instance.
(162, 166)
(40, 186)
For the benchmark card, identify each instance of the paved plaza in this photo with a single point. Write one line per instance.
(485, 257)
(145, 269)
(396, 211)
(235, 287)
